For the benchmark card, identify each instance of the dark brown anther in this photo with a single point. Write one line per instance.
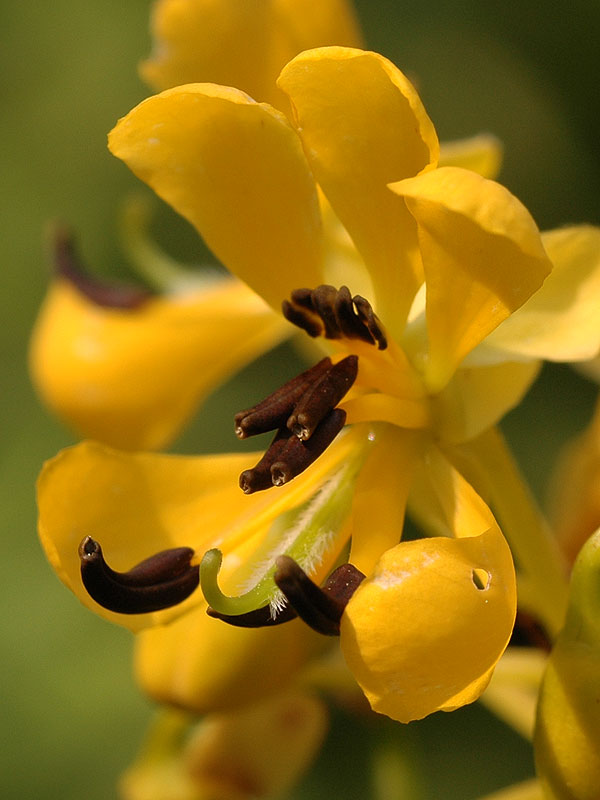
(297, 455)
(68, 265)
(319, 607)
(274, 410)
(260, 618)
(322, 396)
(161, 581)
(323, 298)
(302, 318)
(350, 323)
(335, 314)
(368, 316)
(259, 477)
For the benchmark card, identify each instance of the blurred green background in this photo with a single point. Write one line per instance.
(72, 717)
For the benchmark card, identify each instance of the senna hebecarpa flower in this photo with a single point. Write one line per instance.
(129, 371)
(430, 333)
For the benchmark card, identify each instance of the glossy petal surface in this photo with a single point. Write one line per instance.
(483, 258)
(132, 378)
(362, 125)
(425, 630)
(235, 169)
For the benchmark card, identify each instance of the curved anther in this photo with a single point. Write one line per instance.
(161, 581)
(320, 607)
(259, 618)
(67, 264)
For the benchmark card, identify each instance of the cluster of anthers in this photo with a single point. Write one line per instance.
(305, 415)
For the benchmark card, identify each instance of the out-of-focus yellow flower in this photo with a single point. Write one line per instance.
(256, 752)
(454, 267)
(575, 490)
(241, 44)
(131, 377)
(568, 720)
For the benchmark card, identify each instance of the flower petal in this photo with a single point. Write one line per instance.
(131, 378)
(240, 44)
(561, 321)
(137, 504)
(380, 496)
(425, 630)
(483, 258)
(257, 751)
(204, 665)
(478, 397)
(134, 505)
(481, 154)
(363, 125)
(235, 169)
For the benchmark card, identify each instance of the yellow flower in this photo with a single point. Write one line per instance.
(453, 267)
(256, 752)
(131, 375)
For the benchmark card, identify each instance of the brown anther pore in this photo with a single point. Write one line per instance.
(335, 314)
(304, 414)
(320, 607)
(68, 265)
(161, 581)
(273, 412)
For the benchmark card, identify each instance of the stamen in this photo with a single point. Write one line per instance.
(335, 314)
(322, 396)
(259, 477)
(300, 312)
(68, 265)
(321, 608)
(273, 411)
(259, 618)
(161, 581)
(368, 316)
(350, 324)
(297, 455)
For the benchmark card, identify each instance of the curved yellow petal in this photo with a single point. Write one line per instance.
(481, 154)
(235, 169)
(483, 258)
(240, 44)
(204, 665)
(560, 322)
(132, 378)
(478, 397)
(135, 504)
(425, 630)
(363, 125)
(380, 497)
